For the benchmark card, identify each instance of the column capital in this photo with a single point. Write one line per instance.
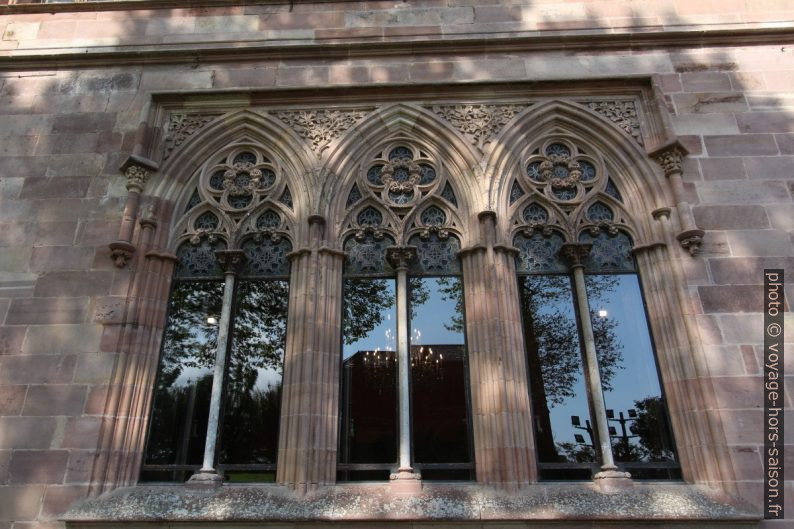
(137, 170)
(575, 253)
(400, 257)
(670, 157)
(231, 261)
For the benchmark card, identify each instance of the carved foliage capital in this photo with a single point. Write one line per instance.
(231, 261)
(671, 159)
(400, 257)
(575, 254)
(137, 177)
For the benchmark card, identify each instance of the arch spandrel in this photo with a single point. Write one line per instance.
(640, 181)
(349, 158)
(181, 171)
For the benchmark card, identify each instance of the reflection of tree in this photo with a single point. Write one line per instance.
(576, 453)
(258, 340)
(555, 359)
(451, 288)
(366, 300)
(653, 429)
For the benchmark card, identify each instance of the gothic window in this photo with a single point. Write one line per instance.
(404, 396)
(596, 396)
(217, 402)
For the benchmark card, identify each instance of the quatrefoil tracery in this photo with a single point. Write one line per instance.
(240, 180)
(562, 171)
(401, 177)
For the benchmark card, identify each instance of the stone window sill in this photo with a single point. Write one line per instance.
(578, 504)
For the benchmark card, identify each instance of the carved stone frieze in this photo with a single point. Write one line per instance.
(620, 112)
(320, 127)
(182, 126)
(479, 124)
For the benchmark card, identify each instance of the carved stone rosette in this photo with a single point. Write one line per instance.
(400, 257)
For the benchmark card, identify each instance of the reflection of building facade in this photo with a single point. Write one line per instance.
(524, 150)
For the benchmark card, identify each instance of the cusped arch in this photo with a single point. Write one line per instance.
(240, 128)
(419, 126)
(641, 182)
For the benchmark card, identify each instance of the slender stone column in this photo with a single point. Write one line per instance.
(670, 157)
(501, 414)
(310, 391)
(405, 481)
(609, 478)
(230, 261)
(137, 170)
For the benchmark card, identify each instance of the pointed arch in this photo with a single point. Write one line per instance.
(640, 180)
(237, 130)
(418, 126)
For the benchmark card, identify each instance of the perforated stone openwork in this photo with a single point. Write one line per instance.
(539, 253)
(266, 257)
(436, 254)
(611, 253)
(561, 171)
(240, 180)
(401, 176)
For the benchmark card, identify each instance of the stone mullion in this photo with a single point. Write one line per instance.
(714, 457)
(330, 381)
(501, 411)
(307, 442)
(298, 303)
(519, 383)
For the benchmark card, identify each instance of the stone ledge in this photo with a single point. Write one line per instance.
(580, 503)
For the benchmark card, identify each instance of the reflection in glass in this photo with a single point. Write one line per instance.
(253, 380)
(438, 378)
(636, 410)
(564, 432)
(181, 403)
(369, 379)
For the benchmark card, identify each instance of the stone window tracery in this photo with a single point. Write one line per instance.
(402, 260)
(218, 398)
(575, 258)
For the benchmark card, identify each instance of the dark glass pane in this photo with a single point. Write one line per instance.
(559, 397)
(252, 404)
(181, 403)
(436, 255)
(252, 476)
(438, 375)
(633, 396)
(369, 375)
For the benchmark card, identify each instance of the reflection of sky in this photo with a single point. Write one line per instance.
(427, 327)
(638, 378)
(560, 414)
(384, 336)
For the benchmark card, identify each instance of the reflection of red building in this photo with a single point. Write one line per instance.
(438, 401)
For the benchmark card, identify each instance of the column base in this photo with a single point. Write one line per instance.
(612, 481)
(205, 479)
(405, 483)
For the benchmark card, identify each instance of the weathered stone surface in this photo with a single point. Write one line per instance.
(748, 270)
(730, 217)
(51, 339)
(741, 145)
(26, 432)
(435, 503)
(742, 192)
(731, 299)
(55, 399)
(755, 243)
(38, 466)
